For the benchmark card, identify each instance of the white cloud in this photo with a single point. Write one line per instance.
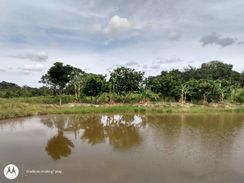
(169, 61)
(33, 67)
(96, 28)
(145, 66)
(155, 66)
(240, 42)
(174, 35)
(84, 31)
(118, 25)
(35, 57)
(2, 70)
(216, 39)
(131, 63)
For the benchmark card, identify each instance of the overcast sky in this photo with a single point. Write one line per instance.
(99, 35)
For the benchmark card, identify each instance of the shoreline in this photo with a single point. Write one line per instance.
(20, 109)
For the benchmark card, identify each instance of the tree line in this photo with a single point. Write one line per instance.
(214, 81)
(10, 90)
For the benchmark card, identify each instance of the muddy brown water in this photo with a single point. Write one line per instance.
(174, 148)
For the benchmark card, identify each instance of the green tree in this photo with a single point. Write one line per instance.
(192, 90)
(94, 85)
(242, 79)
(78, 81)
(167, 84)
(215, 70)
(239, 96)
(153, 83)
(223, 89)
(126, 80)
(184, 91)
(205, 88)
(58, 76)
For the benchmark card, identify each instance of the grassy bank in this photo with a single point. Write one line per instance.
(21, 107)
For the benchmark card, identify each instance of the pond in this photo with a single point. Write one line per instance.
(170, 148)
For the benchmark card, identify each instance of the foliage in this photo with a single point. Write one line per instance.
(214, 81)
(94, 85)
(215, 70)
(239, 96)
(77, 82)
(124, 80)
(167, 84)
(148, 95)
(10, 90)
(58, 76)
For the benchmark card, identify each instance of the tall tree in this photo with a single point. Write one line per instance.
(57, 77)
(205, 88)
(78, 81)
(167, 84)
(192, 90)
(94, 85)
(223, 89)
(126, 80)
(216, 70)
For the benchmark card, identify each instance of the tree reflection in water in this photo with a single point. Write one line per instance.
(59, 145)
(121, 132)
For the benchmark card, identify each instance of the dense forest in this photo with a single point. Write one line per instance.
(214, 81)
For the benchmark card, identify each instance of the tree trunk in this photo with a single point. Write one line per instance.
(185, 98)
(205, 99)
(222, 98)
(78, 92)
(60, 100)
(75, 91)
(182, 98)
(60, 97)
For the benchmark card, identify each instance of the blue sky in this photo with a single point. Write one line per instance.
(99, 35)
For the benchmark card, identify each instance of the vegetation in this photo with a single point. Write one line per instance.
(213, 83)
(58, 76)
(10, 90)
(94, 85)
(126, 80)
(21, 107)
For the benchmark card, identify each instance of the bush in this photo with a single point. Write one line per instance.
(133, 98)
(239, 96)
(103, 98)
(44, 100)
(127, 98)
(151, 96)
(85, 99)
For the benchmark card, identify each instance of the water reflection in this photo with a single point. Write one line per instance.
(121, 132)
(130, 148)
(58, 146)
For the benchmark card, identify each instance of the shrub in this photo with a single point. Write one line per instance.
(127, 98)
(103, 98)
(239, 96)
(151, 96)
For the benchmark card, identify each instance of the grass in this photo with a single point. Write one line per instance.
(39, 100)
(21, 107)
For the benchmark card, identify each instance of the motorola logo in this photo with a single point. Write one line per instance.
(11, 171)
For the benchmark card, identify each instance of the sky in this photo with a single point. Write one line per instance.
(100, 35)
